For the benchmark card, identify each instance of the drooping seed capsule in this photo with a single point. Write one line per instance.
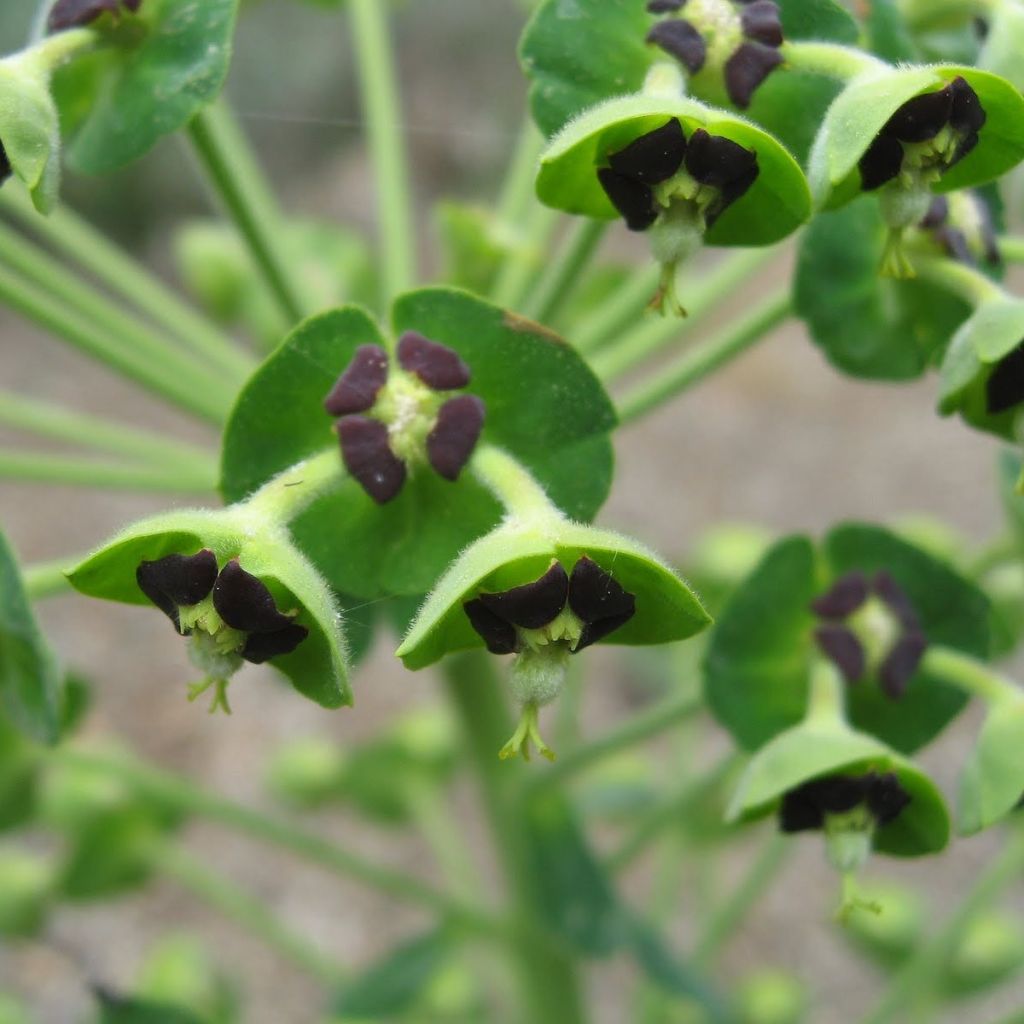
(438, 366)
(654, 157)
(357, 388)
(177, 580)
(681, 40)
(367, 453)
(455, 433)
(533, 605)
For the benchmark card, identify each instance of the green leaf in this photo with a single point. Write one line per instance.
(868, 326)
(666, 608)
(157, 71)
(394, 984)
(30, 679)
(992, 782)
(757, 664)
(785, 92)
(774, 206)
(317, 668)
(577, 53)
(527, 378)
(115, 1009)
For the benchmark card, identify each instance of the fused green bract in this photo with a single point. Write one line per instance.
(544, 406)
(759, 656)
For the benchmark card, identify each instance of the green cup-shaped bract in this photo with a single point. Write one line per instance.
(666, 608)
(773, 207)
(992, 783)
(30, 129)
(815, 749)
(988, 336)
(317, 668)
(861, 110)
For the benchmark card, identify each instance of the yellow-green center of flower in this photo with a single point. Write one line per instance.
(409, 409)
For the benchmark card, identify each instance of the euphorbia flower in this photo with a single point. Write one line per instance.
(230, 615)
(830, 803)
(740, 40)
(391, 419)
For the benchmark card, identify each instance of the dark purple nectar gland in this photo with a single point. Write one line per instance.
(675, 189)
(740, 39)
(230, 616)
(923, 139)
(848, 809)
(67, 14)
(6, 170)
(394, 418)
(1004, 389)
(869, 627)
(542, 623)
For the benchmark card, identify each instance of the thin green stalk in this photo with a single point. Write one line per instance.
(190, 798)
(522, 267)
(36, 467)
(563, 274)
(549, 985)
(970, 674)
(235, 177)
(47, 419)
(831, 59)
(654, 334)
(378, 86)
(921, 972)
(49, 275)
(961, 279)
(701, 360)
(620, 311)
(47, 579)
(512, 484)
(124, 276)
(517, 188)
(1003, 550)
(649, 723)
(671, 811)
(1011, 248)
(220, 892)
(727, 917)
(165, 373)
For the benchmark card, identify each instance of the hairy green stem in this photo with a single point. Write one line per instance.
(1011, 248)
(649, 723)
(292, 491)
(921, 972)
(618, 313)
(165, 372)
(654, 334)
(47, 419)
(256, 918)
(186, 796)
(382, 109)
(511, 483)
(727, 917)
(124, 276)
(970, 675)
(549, 986)
(36, 467)
(235, 177)
(563, 274)
(47, 579)
(701, 360)
(831, 59)
(966, 281)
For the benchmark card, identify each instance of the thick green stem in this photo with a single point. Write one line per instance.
(826, 699)
(292, 491)
(165, 373)
(559, 279)
(35, 467)
(831, 59)
(970, 675)
(184, 795)
(701, 360)
(922, 971)
(641, 727)
(124, 276)
(1011, 248)
(47, 419)
(966, 281)
(727, 917)
(550, 989)
(511, 483)
(236, 179)
(383, 114)
(655, 334)
(47, 579)
(255, 918)
(620, 310)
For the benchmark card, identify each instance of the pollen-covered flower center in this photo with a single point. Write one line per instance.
(393, 419)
